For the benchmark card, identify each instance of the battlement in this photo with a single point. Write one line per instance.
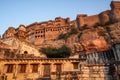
(115, 4)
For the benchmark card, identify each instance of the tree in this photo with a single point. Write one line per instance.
(73, 30)
(62, 52)
(84, 27)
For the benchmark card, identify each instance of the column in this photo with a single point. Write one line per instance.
(104, 60)
(39, 70)
(28, 68)
(15, 71)
(101, 57)
(116, 56)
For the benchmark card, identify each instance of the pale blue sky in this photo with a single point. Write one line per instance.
(16, 12)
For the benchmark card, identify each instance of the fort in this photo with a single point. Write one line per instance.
(39, 33)
(94, 42)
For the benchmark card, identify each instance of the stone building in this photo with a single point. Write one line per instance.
(103, 57)
(52, 69)
(111, 57)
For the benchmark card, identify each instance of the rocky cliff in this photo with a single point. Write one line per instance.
(93, 33)
(21, 47)
(90, 40)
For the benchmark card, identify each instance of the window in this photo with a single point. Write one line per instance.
(58, 67)
(9, 68)
(25, 52)
(75, 65)
(22, 68)
(34, 68)
(46, 72)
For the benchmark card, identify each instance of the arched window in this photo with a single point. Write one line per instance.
(25, 52)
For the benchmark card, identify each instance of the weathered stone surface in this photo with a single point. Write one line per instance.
(21, 46)
(91, 40)
(67, 70)
(95, 35)
(114, 31)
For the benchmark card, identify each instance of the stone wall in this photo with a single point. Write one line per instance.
(90, 21)
(81, 71)
(113, 30)
(115, 10)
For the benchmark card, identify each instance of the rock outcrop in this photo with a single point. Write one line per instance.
(95, 33)
(22, 47)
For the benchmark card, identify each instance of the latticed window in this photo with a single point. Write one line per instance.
(34, 68)
(58, 67)
(9, 68)
(46, 72)
(22, 68)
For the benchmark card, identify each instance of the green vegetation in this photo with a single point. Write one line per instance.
(66, 35)
(96, 25)
(63, 36)
(79, 35)
(85, 26)
(62, 52)
(73, 31)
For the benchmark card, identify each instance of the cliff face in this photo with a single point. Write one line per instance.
(92, 40)
(114, 32)
(21, 47)
(95, 33)
(95, 39)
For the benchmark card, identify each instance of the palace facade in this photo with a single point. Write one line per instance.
(52, 69)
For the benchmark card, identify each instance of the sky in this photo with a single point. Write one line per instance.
(16, 12)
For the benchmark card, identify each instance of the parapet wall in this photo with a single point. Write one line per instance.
(91, 20)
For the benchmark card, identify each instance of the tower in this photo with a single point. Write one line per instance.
(115, 8)
(115, 4)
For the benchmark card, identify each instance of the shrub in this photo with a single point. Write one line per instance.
(79, 35)
(73, 31)
(62, 36)
(65, 36)
(85, 26)
(62, 52)
(96, 25)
